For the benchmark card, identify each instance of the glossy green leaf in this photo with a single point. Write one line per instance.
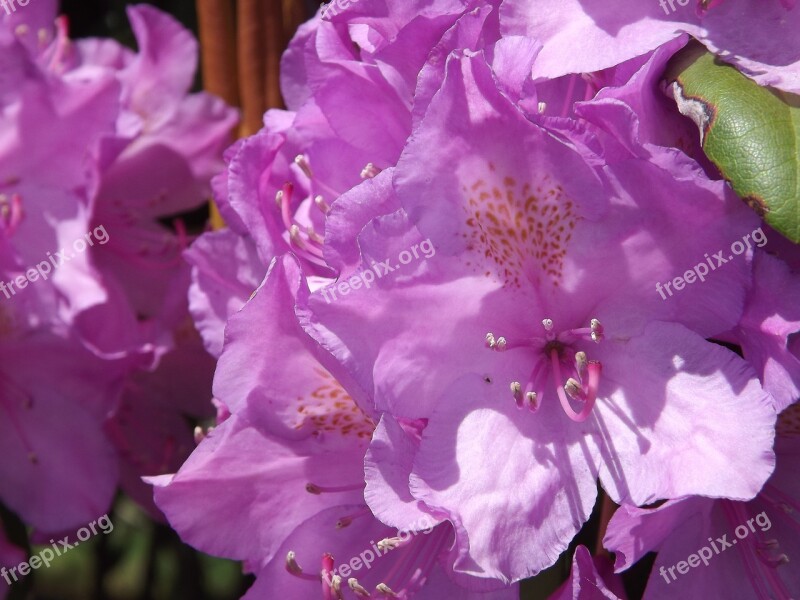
(751, 133)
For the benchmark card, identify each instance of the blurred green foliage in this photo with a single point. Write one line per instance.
(139, 559)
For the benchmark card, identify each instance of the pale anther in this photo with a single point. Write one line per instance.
(357, 587)
(386, 590)
(321, 204)
(573, 389)
(291, 563)
(302, 162)
(370, 171)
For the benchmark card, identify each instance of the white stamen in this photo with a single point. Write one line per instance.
(291, 564)
(573, 389)
(490, 341)
(279, 198)
(581, 363)
(370, 171)
(542, 107)
(322, 205)
(294, 233)
(199, 434)
(385, 590)
(516, 391)
(500, 346)
(357, 587)
(597, 330)
(389, 544)
(302, 162)
(547, 324)
(532, 399)
(336, 586)
(312, 234)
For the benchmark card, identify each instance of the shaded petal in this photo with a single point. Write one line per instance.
(217, 290)
(387, 468)
(585, 583)
(770, 317)
(59, 469)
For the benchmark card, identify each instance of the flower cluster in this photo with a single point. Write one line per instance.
(99, 363)
(450, 429)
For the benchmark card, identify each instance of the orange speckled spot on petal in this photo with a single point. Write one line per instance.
(521, 229)
(331, 410)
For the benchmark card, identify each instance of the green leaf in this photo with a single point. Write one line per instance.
(751, 133)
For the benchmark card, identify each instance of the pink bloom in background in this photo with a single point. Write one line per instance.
(94, 286)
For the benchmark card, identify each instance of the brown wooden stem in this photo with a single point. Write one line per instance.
(217, 30)
(251, 51)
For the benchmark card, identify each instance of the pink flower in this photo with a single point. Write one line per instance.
(720, 548)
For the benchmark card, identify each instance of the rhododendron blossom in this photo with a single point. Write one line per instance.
(475, 313)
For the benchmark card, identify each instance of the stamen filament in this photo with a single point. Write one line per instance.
(312, 488)
(591, 391)
(357, 587)
(348, 519)
(294, 568)
(568, 96)
(320, 203)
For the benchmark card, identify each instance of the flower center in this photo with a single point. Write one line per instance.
(305, 241)
(413, 556)
(580, 378)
